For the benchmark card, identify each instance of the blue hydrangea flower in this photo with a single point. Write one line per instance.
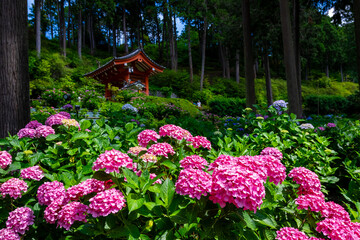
(129, 107)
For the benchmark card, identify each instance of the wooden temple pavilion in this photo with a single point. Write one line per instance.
(131, 71)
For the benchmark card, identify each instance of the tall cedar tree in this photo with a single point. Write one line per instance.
(37, 27)
(203, 48)
(356, 11)
(14, 67)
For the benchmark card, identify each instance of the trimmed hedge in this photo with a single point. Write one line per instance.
(323, 104)
(222, 106)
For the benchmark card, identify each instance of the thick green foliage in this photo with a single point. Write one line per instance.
(324, 104)
(227, 106)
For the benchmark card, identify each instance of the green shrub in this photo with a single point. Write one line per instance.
(227, 106)
(325, 104)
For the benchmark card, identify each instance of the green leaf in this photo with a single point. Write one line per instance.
(133, 230)
(167, 192)
(84, 124)
(131, 177)
(134, 202)
(249, 221)
(52, 137)
(100, 122)
(129, 127)
(179, 217)
(14, 166)
(80, 135)
(265, 220)
(15, 143)
(169, 164)
(72, 152)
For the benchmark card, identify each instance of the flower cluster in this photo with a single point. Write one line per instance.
(136, 150)
(276, 171)
(8, 234)
(50, 191)
(166, 130)
(193, 161)
(33, 124)
(13, 187)
(308, 180)
(104, 203)
(148, 157)
(272, 152)
(129, 107)
(331, 125)
(20, 219)
(334, 210)
(200, 141)
(161, 149)
(51, 212)
(335, 229)
(65, 114)
(314, 202)
(5, 159)
(44, 131)
(193, 182)
(67, 106)
(70, 123)
(146, 136)
(55, 119)
(34, 173)
(84, 188)
(71, 212)
(289, 233)
(26, 132)
(112, 160)
(174, 132)
(279, 104)
(306, 126)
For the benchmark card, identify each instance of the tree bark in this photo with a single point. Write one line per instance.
(37, 27)
(14, 68)
(175, 44)
(125, 33)
(289, 60)
(269, 95)
(114, 40)
(62, 35)
(227, 62)
(188, 28)
(356, 11)
(222, 59)
(237, 67)
(341, 72)
(296, 7)
(249, 64)
(79, 47)
(203, 49)
(69, 24)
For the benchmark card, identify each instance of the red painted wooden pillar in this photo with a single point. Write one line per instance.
(147, 85)
(107, 90)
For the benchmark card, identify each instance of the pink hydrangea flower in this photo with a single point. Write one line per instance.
(8, 234)
(355, 228)
(148, 157)
(50, 191)
(44, 131)
(5, 159)
(254, 164)
(51, 212)
(335, 229)
(136, 150)
(20, 219)
(13, 187)
(55, 120)
(334, 210)
(314, 238)
(112, 160)
(34, 173)
(71, 212)
(65, 114)
(84, 188)
(315, 203)
(289, 233)
(104, 203)
(193, 161)
(33, 124)
(272, 152)
(200, 141)
(193, 182)
(147, 136)
(166, 130)
(222, 160)
(308, 180)
(180, 134)
(331, 125)
(234, 184)
(276, 171)
(161, 149)
(26, 132)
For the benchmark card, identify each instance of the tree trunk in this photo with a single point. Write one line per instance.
(289, 60)
(69, 24)
(341, 72)
(356, 11)
(222, 59)
(51, 27)
(37, 27)
(269, 95)
(237, 66)
(175, 44)
(114, 40)
(227, 57)
(125, 33)
(203, 49)
(79, 47)
(249, 65)
(91, 33)
(296, 7)
(14, 67)
(188, 28)
(62, 35)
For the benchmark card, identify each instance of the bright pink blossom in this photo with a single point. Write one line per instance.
(44, 131)
(193, 182)
(254, 164)
(33, 124)
(314, 238)
(8, 234)
(136, 150)
(334, 210)
(331, 125)
(222, 160)
(335, 229)
(20, 219)
(180, 134)
(34, 173)
(84, 188)
(13, 187)
(166, 130)
(161, 149)
(5, 159)
(71, 212)
(147, 136)
(289, 233)
(315, 203)
(112, 160)
(193, 161)
(200, 141)
(26, 132)
(272, 152)
(65, 114)
(308, 180)
(237, 185)
(55, 120)
(276, 171)
(104, 203)
(51, 212)
(50, 191)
